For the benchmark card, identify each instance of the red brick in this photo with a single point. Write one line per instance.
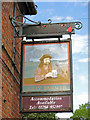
(11, 89)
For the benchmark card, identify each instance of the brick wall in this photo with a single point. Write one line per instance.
(0, 63)
(10, 63)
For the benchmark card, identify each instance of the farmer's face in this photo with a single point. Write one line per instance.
(46, 61)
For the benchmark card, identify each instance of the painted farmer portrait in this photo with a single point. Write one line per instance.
(44, 69)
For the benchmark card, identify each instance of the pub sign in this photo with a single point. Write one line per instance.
(46, 76)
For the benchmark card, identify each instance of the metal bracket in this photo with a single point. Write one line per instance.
(58, 39)
(78, 25)
(44, 30)
(33, 40)
(49, 30)
(13, 24)
(50, 21)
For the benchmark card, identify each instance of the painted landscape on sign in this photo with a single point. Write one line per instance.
(58, 55)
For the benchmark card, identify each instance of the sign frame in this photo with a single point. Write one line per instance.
(65, 93)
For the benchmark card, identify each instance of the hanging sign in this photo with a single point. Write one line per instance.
(46, 70)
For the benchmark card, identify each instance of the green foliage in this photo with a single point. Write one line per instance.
(82, 112)
(39, 116)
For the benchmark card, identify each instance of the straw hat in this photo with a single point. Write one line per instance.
(45, 56)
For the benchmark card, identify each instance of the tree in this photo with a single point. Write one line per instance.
(38, 116)
(82, 112)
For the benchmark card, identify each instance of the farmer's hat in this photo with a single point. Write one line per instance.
(45, 56)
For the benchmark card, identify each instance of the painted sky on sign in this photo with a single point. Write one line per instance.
(70, 12)
(57, 51)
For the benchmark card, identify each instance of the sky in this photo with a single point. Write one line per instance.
(70, 12)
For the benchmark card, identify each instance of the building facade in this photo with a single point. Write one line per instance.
(11, 57)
